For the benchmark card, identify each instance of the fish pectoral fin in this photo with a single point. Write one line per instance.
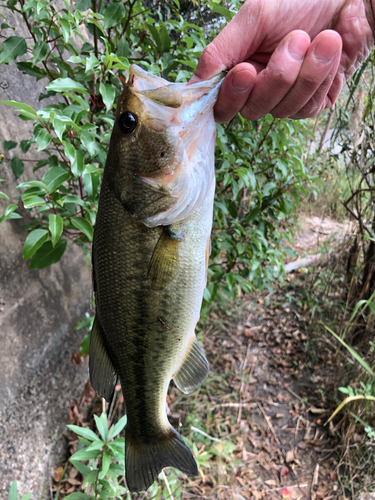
(103, 375)
(194, 369)
(144, 460)
(164, 261)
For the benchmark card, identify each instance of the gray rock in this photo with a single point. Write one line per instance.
(38, 312)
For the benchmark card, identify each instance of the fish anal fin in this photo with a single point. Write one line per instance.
(164, 261)
(194, 369)
(145, 459)
(103, 375)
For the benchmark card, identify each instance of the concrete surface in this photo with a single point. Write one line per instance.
(38, 312)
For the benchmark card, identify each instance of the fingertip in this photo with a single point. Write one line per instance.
(235, 91)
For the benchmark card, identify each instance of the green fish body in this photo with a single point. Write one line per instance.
(150, 256)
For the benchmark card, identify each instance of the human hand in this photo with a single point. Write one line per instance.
(289, 58)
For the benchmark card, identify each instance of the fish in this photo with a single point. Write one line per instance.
(149, 260)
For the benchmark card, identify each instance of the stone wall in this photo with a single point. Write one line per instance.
(38, 312)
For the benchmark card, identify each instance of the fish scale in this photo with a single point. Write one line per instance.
(149, 281)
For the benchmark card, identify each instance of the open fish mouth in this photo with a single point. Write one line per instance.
(185, 113)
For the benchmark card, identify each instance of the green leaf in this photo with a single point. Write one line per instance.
(165, 40)
(3, 195)
(47, 254)
(354, 353)
(105, 465)
(85, 455)
(41, 4)
(222, 10)
(90, 478)
(33, 242)
(84, 226)
(25, 146)
(28, 110)
(9, 213)
(38, 184)
(8, 145)
(70, 151)
(13, 493)
(78, 495)
(108, 93)
(117, 428)
(83, 5)
(123, 49)
(17, 166)
(102, 425)
(91, 62)
(84, 432)
(54, 177)
(28, 68)
(43, 139)
(56, 226)
(78, 164)
(39, 52)
(65, 24)
(66, 85)
(60, 127)
(113, 14)
(155, 36)
(82, 468)
(13, 47)
(85, 344)
(74, 199)
(33, 201)
(349, 400)
(27, 496)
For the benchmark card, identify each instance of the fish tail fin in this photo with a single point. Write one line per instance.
(144, 461)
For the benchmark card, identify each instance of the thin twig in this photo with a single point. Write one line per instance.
(167, 484)
(205, 434)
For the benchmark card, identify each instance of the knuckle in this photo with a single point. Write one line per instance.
(210, 53)
(284, 79)
(309, 83)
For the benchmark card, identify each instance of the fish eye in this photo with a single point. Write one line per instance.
(127, 122)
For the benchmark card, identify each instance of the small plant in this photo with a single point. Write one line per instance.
(105, 456)
(13, 493)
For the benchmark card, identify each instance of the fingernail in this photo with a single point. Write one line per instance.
(325, 50)
(242, 81)
(297, 48)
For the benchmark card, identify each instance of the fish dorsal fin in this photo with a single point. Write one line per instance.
(103, 375)
(164, 261)
(194, 369)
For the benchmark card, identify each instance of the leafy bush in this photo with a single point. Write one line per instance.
(260, 173)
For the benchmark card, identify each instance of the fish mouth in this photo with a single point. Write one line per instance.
(173, 95)
(183, 114)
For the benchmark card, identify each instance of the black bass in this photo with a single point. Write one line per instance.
(150, 257)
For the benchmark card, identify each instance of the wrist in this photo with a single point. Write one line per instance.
(370, 14)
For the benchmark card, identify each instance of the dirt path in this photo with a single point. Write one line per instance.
(277, 404)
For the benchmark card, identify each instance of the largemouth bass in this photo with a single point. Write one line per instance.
(150, 256)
